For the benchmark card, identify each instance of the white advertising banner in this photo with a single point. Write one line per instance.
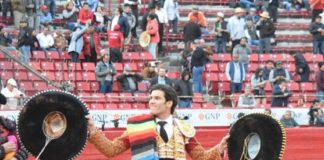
(197, 117)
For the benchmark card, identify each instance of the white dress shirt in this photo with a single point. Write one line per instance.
(132, 2)
(168, 126)
(114, 22)
(45, 41)
(163, 18)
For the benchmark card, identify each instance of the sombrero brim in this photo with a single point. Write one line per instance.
(30, 121)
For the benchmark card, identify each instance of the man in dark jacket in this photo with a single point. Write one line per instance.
(302, 68)
(161, 78)
(191, 30)
(5, 39)
(320, 82)
(267, 30)
(183, 87)
(317, 30)
(273, 10)
(288, 121)
(280, 95)
(267, 69)
(279, 73)
(121, 20)
(221, 33)
(129, 80)
(25, 40)
(151, 11)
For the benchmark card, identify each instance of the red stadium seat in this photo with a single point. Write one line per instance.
(88, 66)
(142, 87)
(111, 106)
(212, 67)
(26, 85)
(7, 65)
(139, 106)
(5, 75)
(21, 75)
(47, 66)
(141, 97)
(96, 106)
(307, 87)
(35, 65)
(112, 97)
(225, 57)
(99, 97)
(50, 75)
(59, 76)
(208, 106)
(222, 67)
(125, 106)
(83, 86)
(39, 55)
(94, 86)
(75, 66)
(89, 76)
(131, 56)
(197, 98)
(33, 77)
(293, 86)
(146, 56)
(119, 67)
(126, 97)
(196, 105)
(224, 86)
(40, 86)
(133, 66)
(53, 55)
(318, 58)
(212, 77)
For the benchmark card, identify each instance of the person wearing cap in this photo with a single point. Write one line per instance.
(319, 80)
(301, 66)
(235, 26)
(317, 30)
(105, 71)
(163, 21)
(252, 16)
(172, 9)
(221, 33)
(19, 11)
(267, 31)
(12, 94)
(150, 71)
(85, 14)
(45, 18)
(201, 19)
(235, 73)
(129, 80)
(152, 29)
(25, 40)
(279, 73)
(161, 78)
(191, 30)
(115, 42)
(70, 14)
(76, 42)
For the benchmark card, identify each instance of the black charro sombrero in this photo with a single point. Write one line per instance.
(55, 115)
(256, 136)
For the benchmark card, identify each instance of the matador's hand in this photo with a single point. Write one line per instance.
(222, 146)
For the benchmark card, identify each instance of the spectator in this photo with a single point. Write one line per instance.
(93, 4)
(70, 15)
(247, 4)
(267, 69)
(105, 71)
(288, 121)
(197, 66)
(92, 46)
(33, 12)
(45, 39)
(235, 27)
(161, 78)
(319, 82)
(183, 87)
(302, 68)
(319, 118)
(279, 73)
(268, 111)
(251, 33)
(19, 11)
(244, 51)
(6, 6)
(5, 38)
(152, 29)
(77, 4)
(25, 39)
(12, 94)
(134, 7)
(60, 42)
(280, 95)
(34, 42)
(131, 21)
(301, 102)
(315, 106)
(317, 30)
(172, 9)
(258, 83)
(51, 5)
(76, 43)
(150, 71)
(317, 8)
(45, 17)
(221, 33)
(287, 4)
(247, 99)
(267, 30)
(116, 40)
(129, 80)
(235, 73)
(151, 11)
(85, 14)
(163, 21)
(191, 30)
(299, 4)
(273, 10)
(122, 21)
(252, 16)
(99, 19)
(201, 19)
(185, 56)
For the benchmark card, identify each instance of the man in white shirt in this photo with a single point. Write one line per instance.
(163, 21)
(12, 94)
(45, 39)
(235, 26)
(171, 7)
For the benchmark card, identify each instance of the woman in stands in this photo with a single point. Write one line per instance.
(258, 84)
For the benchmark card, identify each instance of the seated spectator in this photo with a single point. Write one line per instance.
(252, 16)
(317, 30)
(70, 14)
(247, 4)
(5, 38)
(243, 51)
(129, 80)
(251, 33)
(201, 19)
(45, 17)
(116, 40)
(247, 99)
(267, 69)
(99, 16)
(92, 45)
(45, 39)
(183, 87)
(85, 14)
(105, 71)
(315, 106)
(280, 94)
(93, 4)
(279, 73)
(258, 83)
(301, 102)
(302, 69)
(288, 121)
(287, 4)
(161, 78)
(60, 43)
(319, 79)
(12, 94)
(235, 73)
(191, 30)
(319, 118)
(35, 46)
(76, 43)
(268, 111)
(150, 71)
(221, 34)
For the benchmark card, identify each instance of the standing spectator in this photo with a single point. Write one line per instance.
(197, 66)
(315, 106)
(287, 4)
(115, 40)
(77, 4)
(172, 9)
(131, 21)
(319, 118)
(150, 71)
(93, 4)
(45, 39)
(101, 19)
(12, 94)
(247, 4)
(19, 11)
(191, 30)
(288, 121)
(76, 43)
(134, 7)
(319, 82)
(235, 73)
(201, 19)
(5, 38)
(251, 33)
(267, 30)
(92, 46)
(183, 87)
(163, 21)
(105, 71)
(302, 68)
(273, 10)
(152, 29)
(70, 15)
(317, 8)
(258, 83)
(279, 73)
(244, 51)
(151, 10)
(280, 94)
(6, 6)
(51, 5)
(235, 27)
(129, 80)
(221, 33)
(267, 69)
(252, 16)
(25, 39)
(122, 21)
(85, 14)
(33, 12)
(161, 78)
(317, 30)
(247, 99)
(45, 17)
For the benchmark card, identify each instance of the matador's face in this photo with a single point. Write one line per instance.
(158, 105)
